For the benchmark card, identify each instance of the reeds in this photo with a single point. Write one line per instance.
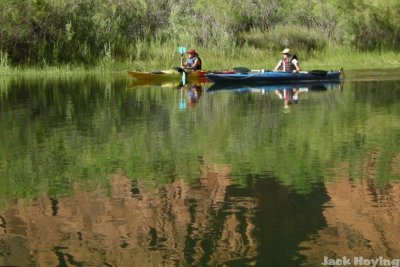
(153, 56)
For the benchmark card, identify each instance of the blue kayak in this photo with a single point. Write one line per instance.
(273, 76)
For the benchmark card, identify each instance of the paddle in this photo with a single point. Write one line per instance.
(318, 72)
(312, 72)
(247, 70)
(181, 51)
(241, 70)
(179, 69)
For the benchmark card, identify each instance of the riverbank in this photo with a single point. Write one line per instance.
(254, 58)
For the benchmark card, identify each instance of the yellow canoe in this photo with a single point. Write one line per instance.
(166, 75)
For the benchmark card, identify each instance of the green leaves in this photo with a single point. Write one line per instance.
(36, 31)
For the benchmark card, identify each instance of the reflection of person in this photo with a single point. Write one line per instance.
(288, 63)
(289, 96)
(193, 93)
(193, 62)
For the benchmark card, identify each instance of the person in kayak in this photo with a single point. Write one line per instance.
(288, 63)
(193, 62)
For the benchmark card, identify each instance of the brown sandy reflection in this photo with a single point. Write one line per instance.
(363, 219)
(132, 226)
(209, 223)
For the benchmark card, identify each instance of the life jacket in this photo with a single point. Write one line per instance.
(288, 65)
(190, 62)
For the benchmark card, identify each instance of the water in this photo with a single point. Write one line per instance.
(97, 171)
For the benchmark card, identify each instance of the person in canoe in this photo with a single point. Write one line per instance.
(193, 61)
(288, 63)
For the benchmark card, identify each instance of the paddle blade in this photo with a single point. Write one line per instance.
(241, 70)
(318, 72)
(178, 69)
(181, 50)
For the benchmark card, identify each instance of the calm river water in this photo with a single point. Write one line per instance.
(101, 171)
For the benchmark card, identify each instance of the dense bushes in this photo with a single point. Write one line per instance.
(302, 38)
(88, 31)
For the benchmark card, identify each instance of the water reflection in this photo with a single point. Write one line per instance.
(93, 173)
(362, 220)
(190, 95)
(208, 223)
(135, 84)
(289, 93)
(263, 88)
(289, 96)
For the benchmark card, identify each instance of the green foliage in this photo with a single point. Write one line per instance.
(92, 32)
(4, 61)
(371, 25)
(303, 39)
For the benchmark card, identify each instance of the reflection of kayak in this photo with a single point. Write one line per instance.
(167, 83)
(166, 75)
(177, 83)
(273, 76)
(248, 88)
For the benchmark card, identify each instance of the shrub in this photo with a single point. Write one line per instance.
(298, 38)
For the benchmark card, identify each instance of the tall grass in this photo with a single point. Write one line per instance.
(351, 58)
(335, 57)
(4, 62)
(157, 56)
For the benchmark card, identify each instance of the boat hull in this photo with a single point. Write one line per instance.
(166, 75)
(273, 77)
